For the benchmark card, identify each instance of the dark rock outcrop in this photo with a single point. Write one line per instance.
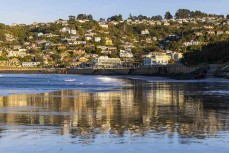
(197, 74)
(223, 72)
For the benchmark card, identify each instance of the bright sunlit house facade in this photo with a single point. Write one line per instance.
(156, 59)
(106, 62)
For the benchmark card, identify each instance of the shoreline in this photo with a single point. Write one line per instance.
(60, 82)
(153, 79)
(85, 89)
(172, 71)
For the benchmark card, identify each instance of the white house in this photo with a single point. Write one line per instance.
(156, 59)
(40, 34)
(60, 21)
(80, 43)
(210, 32)
(158, 22)
(50, 35)
(83, 21)
(219, 32)
(88, 38)
(66, 30)
(30, 64)
(126, 54)
(73, 32)
(105, 61)
(103, 25)
(145, 32)
(192, 43)
(97, 39)
(72, 38)
(17, 53)
(166, 23)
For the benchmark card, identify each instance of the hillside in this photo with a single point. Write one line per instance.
(81, 40)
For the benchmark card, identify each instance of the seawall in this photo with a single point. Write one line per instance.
(11, 70)
(150, 71)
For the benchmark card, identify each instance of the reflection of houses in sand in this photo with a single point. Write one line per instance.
(157, 106)
(12, 104)
(14, 100)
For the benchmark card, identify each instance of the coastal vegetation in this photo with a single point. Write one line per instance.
(212, 53)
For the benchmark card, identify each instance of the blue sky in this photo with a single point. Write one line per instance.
(28, 11)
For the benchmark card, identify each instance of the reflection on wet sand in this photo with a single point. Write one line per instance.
(140, 109)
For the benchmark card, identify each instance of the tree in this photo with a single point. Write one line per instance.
(227, 16)
(89, 50)
(102, 20)
(157, 17)
(216, 15)
(142, 17)
(168, 16)
(90, 17)
(2, 26)
(39, 59)
(211, 53)
(182, 14)
(55, 57)
(115, 18)
(98, 51)
(84, 17)
(2, 36)
(132, 17)
(72, 18)
(198, 14)
(27, 58)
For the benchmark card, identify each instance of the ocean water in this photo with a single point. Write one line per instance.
(34, 83)
(101, 114)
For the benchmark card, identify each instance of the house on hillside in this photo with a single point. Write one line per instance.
(30, 64)
(126, 54)
(192, 43)
(108, 41)
(103, 25)
(88, 38)
(198, 34)
(73, 31)
(65, 30)
(97, 39)
(156, 58)
(79, 52)
(174, 55)
(210, 32)
(14, 62)
(166, 23)
(79, 42)
(219, 32)
(40, 34)
(106, 62)
(16, 53)
(145, 32)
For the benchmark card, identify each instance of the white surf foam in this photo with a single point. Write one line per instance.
(70, 80)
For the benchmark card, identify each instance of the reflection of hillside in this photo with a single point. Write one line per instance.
(145, 107)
